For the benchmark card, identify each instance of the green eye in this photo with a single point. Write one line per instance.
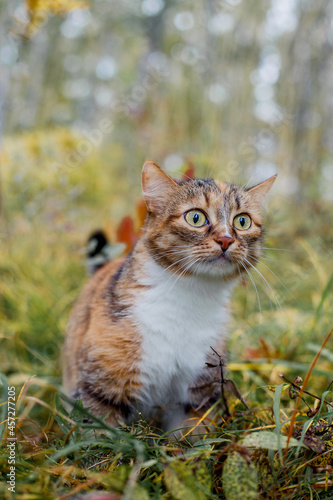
(195, 218)
(242, 221)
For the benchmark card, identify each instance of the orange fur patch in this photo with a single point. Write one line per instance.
(100, 353)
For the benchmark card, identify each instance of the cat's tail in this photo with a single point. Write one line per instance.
(99, 251)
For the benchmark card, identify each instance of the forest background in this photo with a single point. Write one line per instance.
(238, 89)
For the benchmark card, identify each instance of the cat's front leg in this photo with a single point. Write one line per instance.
(174, 418)
(182, 422)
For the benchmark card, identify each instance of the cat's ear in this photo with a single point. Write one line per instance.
(259, 192)
(157, 186)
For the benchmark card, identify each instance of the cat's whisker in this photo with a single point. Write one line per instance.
(187, 268)
(177, 262)
(187, 176)
(269, 289)
(249, 181)
(143, 261)
(256, 290)
(173, 250)
(259, 259)
(268, 258)
(270, 270)
(171, 265)
(267, 285)
(211, 161)
(184, 268)
(197, 261)
(239, 272)
(160, 255)
(167, 254)
(196, 267)
(187, 265)
(278, 249)
(214, 164)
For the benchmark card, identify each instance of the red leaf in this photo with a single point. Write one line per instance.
(189, 172)
(126, 233)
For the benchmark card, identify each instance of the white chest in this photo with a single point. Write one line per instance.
(179, 320)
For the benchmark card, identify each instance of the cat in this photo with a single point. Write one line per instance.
(139, 336)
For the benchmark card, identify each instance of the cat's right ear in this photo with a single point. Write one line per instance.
(157, 187)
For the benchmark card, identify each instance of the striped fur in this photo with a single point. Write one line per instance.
(140, 334)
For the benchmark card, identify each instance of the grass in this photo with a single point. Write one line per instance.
(47, 214)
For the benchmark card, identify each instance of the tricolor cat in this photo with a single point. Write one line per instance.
(139, 336)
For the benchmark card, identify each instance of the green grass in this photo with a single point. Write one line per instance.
(47, 215)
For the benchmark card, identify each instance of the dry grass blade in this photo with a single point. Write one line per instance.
(201, 419)
(306, 380)
(23, 389)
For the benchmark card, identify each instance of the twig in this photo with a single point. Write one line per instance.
(236, 391)
(305, 392)
(208, 384)
(221, 364)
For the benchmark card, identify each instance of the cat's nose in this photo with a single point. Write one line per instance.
(225, 242)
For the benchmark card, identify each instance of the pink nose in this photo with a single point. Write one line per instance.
(225, 242)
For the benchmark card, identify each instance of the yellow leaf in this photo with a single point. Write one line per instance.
(40, 10)
(54, 6)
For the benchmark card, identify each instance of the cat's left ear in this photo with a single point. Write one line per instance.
(157, 187)
(260, 191)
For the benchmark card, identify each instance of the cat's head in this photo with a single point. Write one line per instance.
(202, 226)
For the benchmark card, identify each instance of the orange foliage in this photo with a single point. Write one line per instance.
(264, 351)
(189, 172)
(126, 233)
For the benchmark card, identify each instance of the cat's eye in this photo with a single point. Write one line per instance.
(242, 222)
(195, 218)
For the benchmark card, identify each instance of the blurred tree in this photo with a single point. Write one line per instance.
(244, 85)
(305, 87)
